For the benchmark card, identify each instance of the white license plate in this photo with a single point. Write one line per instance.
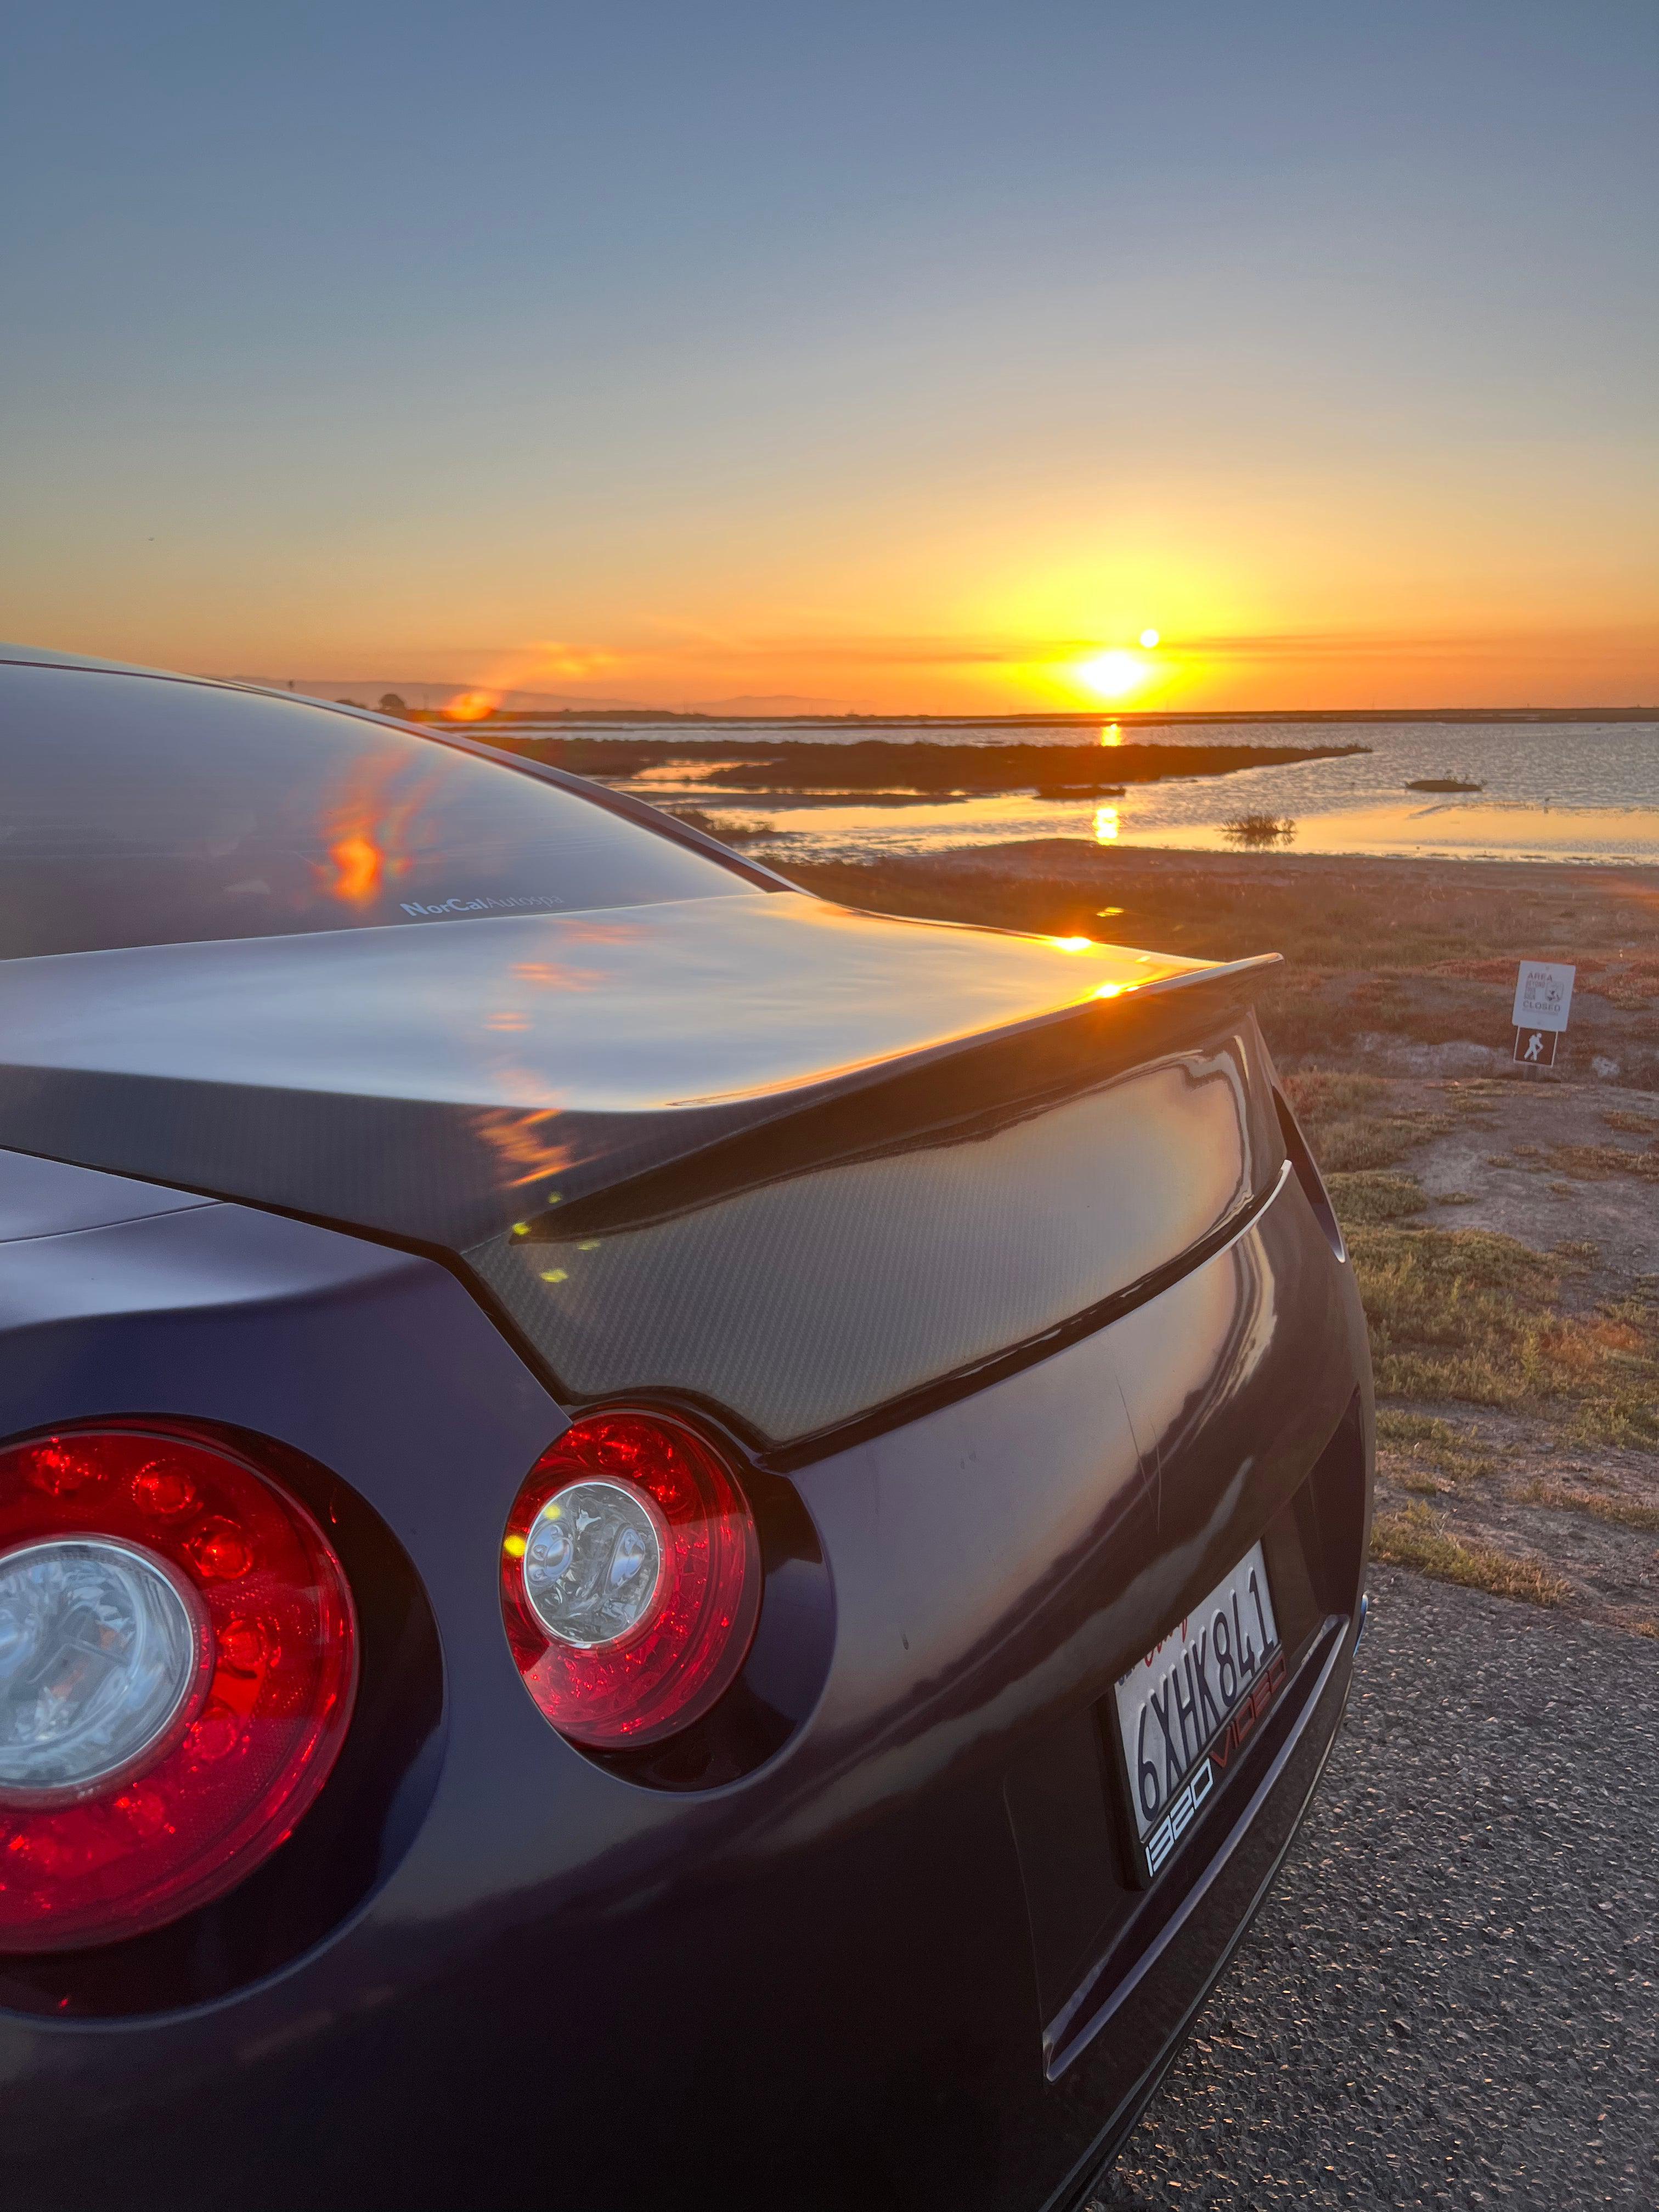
(1185, 1710)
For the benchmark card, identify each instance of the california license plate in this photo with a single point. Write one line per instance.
(1184, 1713)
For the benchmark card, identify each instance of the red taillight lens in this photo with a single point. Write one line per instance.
(178, 1660)
(630, 1579)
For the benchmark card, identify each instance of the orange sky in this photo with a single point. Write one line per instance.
(802, 353)
(914, 585)
(1459, 581)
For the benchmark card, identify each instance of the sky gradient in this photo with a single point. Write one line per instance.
(897, 356)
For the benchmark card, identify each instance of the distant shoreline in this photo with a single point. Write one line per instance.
(871, 764)
(1057, 719)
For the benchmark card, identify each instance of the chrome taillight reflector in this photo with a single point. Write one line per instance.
(178, 1663)
(630, 1579)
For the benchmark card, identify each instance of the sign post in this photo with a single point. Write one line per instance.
(1543, 999)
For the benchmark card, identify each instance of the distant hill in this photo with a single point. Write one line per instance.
(368, 691)
(767, 702)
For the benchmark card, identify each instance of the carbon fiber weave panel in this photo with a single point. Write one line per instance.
(815, 1295)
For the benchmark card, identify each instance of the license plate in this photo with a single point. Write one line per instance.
(1185, 1710)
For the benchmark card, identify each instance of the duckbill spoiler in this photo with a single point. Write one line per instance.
(781, 1159)
(439, 1083)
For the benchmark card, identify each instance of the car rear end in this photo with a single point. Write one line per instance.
(1023, 1364)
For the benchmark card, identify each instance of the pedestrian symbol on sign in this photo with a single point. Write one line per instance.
(1543, 1001)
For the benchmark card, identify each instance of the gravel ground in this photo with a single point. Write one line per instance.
(1452, 1994)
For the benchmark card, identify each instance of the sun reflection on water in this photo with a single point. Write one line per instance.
(1107, 822)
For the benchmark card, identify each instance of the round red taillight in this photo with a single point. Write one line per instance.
(630, 1579)
(178, 1661)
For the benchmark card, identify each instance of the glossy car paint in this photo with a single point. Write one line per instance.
(882, 1945)
(395, 1077)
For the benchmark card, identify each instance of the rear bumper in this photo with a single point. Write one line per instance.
(1146, 2020)
(903, 1960)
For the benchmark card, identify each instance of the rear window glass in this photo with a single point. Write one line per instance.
(134, 810)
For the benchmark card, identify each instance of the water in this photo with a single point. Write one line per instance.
(1585, 792)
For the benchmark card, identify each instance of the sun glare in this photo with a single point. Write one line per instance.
(1149, 638)
(472, 706)
(1112, 675)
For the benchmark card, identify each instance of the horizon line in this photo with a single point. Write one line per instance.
(1146, 717)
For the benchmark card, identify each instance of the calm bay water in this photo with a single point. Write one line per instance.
(1556, 791)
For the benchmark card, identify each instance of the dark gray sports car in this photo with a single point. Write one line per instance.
(658, 1542)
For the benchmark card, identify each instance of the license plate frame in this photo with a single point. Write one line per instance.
(1230, 1638)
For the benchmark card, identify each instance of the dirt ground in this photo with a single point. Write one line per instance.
(1503, 1224)
(1534, 1162)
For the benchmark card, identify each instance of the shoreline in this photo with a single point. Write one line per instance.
(1061, 856)
(1062, 718)
(756, 771)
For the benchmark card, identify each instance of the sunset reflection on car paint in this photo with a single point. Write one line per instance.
(371, 828)
(409, 1184)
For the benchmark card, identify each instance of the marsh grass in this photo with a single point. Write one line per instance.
(1471, 1314)
(1429, 1455)
(1594, 1163)
(1259, 829)
(1623, 1512)
(729, 829)
(1416, 1537)
(1354, 1122)
(1374, 1194)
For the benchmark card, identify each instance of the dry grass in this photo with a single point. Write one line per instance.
(1594, 1163)
(1624, 1512)
(1632, 1125)
(1415, 1537)
(1354, 1122)
(1426, 1455)
(1374, 1195)
(1630, 984)
(1466, 1313)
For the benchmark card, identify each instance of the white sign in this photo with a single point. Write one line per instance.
(1543, 993)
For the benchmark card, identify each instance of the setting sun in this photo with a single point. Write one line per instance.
(1112, 675)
